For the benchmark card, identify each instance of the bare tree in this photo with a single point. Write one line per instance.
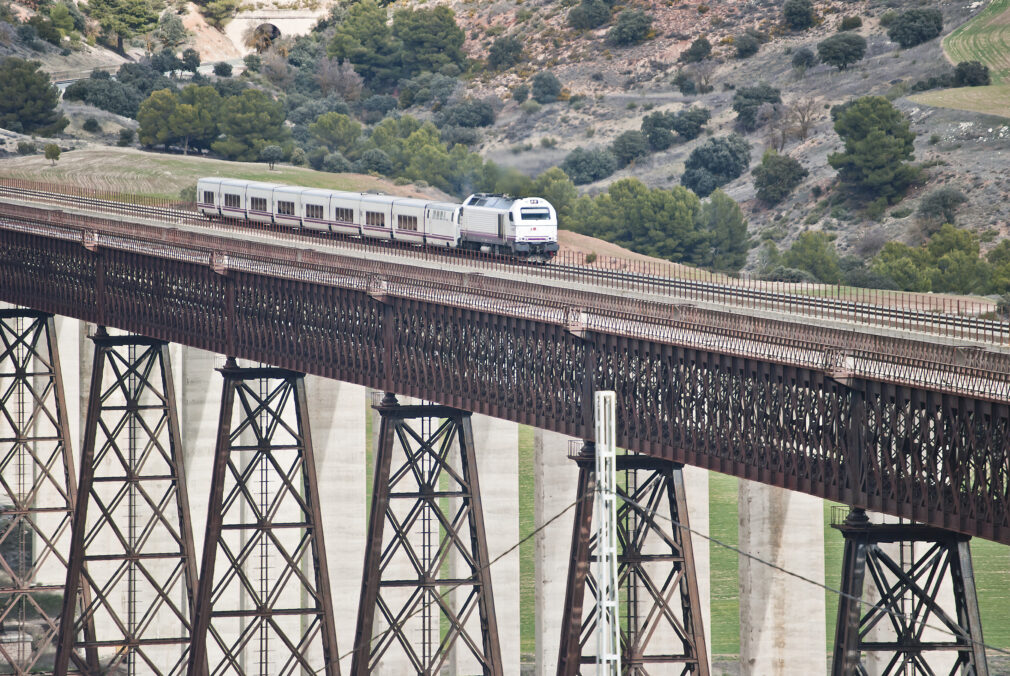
(340, 78)
(804, 112)
(702, 73)
(275, 68)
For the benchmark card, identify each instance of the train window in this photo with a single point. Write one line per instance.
(286, 208)
(232, 200)
(535, 214)
(345, 215)
(375, 218)
(258, 203)
(406, 222)
(208, 196)
(314, 210)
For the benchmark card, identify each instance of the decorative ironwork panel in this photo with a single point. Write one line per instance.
(132, 545)
(426, 517)
(265, 607)
(166, 299)
(36, 491)
(660, 603)
(337, 333)
(48, 274)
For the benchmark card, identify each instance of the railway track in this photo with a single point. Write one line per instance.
(746, 295)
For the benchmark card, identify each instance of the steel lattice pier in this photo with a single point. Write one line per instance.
(661, 614)
(263, 605)
(132, 544)
(426, 519)
(38, 490)
(907, 608)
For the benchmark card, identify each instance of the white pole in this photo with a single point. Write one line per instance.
(608, 626)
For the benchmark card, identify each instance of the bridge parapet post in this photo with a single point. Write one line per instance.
(267, 608)
(908, 609)
(132, 542)
(37, 490)
(424, 514)
(659, 586)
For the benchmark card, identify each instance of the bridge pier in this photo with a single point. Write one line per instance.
(782, 628)
(907, 601)
(270, 607)
(414, 494)
(659, 589)
(131, 549)
(37, 490)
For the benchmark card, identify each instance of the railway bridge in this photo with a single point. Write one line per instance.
(901, 411)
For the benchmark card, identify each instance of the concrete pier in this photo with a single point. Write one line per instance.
(782, 630)
(337, 415)
(554, 483)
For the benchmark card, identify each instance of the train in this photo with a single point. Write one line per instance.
(524, 228)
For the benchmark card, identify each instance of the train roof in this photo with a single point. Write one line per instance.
(489, 201)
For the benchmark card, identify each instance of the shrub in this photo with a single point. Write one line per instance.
(887, 18)
(505, 52)
(777, 176)
(798, 14)
(804, 58)
(850, 23)
(546, 87)
(746, 46)
(190, 60)
(971, 74)
(253, 62)
(915, 26)
(102, 92)
(842, 50)
(91, 125)
(335, 163)
(714, 163)
(466, 113)
(699, 50)
(589, 14)
(941, 204)
(222, 69)
(125, 137)
(632, 28)
(520, 93)
(530, 107)
(585, 166)
(299, 158)
(689, 123)
(165, 61)
(747, 101)
(628, 147)
(26, 148)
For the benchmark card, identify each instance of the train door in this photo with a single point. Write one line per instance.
(501, 228)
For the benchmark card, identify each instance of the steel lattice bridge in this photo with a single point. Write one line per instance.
(861, 406)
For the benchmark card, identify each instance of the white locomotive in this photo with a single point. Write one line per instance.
(525, 228)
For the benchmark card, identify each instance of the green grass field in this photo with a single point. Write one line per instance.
(985, 38)
(991, 100)
(162, 176)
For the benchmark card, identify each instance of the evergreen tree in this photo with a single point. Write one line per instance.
(431, 40)
(842, 50)
(154, 117)
(207, 103)
(799, 14)
(777, 176)
(722, 223)
(249, 122)
(714, 163)
(878, 141)
(814, 252)
(122, 19)
(915, 26)
(366, 40)
(655, 222)
(28, 99)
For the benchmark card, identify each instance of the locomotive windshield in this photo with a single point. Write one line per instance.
(535, 214)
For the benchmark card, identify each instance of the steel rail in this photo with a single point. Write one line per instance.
(990, 331)
(945, 368)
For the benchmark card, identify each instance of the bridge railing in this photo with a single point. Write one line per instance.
(975, 319)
